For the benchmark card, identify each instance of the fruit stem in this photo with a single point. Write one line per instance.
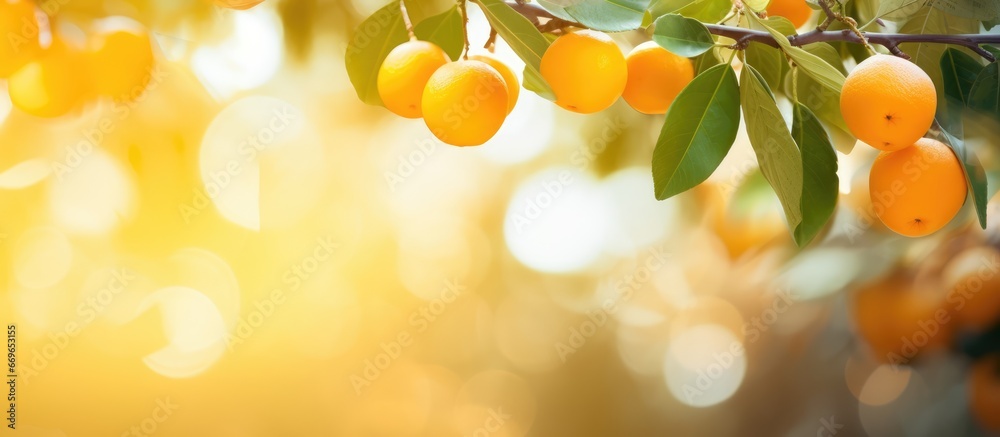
(406, 20)
(492, 40)
(465, 28)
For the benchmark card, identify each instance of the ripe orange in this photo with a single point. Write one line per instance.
(984, 392)
(51, 85)
(586, 70)
(901, 319)
(655, 77)
(917, 190)
(509, 78)
(465, 103)
(888, 102)
(120, 57)
(19, 31)
(796, 11)
(974, 286)
(404, 73)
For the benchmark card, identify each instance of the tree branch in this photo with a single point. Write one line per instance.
(890, 41)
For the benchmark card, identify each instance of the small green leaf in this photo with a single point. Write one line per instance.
(812, 65)
(698, 132)
(372, 41)
(820, 184)
(777, 155)
(608, 15)
(523, 38)
(974, 172)
(682, 36)
(446, 30)
(985, 92)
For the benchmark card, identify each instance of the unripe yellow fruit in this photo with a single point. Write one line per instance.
(586, 71)
(655, 78)
(51, 85)
(19, 32)
(465, 103)
(509, 78)
(120, 57)
(404, 74)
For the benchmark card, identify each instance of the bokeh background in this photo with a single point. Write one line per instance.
(249, 250)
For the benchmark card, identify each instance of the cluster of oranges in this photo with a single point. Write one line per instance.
(917, 184)
(51, 73)
(953, 295)
(465, 102)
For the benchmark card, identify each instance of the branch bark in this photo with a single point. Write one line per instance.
(890, 41)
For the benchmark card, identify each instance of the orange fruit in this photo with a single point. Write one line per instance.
(888, 102)
(917, 190)
(655, 77)
(509, 78)
(404, 73)
(120, 57)
(19, 31)
(50, 86)
(586, 70)
(984, 392)
(465, 103)
(901, 319)
(974, 283)
(796, 11)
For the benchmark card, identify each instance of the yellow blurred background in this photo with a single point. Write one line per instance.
(249, 250)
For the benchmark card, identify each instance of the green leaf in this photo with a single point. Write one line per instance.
(974, 172)
(899, 10)
(985, 93)
(523, 38)
(993, 50)
(662, 7)
(698, 132)
(959, 72)
(682, 36)
(814, 66)
(707, 60)
(769, 61)
(706, 11)
(975, 9)
(777, 155)
(927, 56)
(756, 5)
(556, 10)
(446, 30)
(372, 41)
(608, 15)
(820, 184)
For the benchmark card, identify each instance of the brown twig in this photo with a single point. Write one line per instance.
(890, 41)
